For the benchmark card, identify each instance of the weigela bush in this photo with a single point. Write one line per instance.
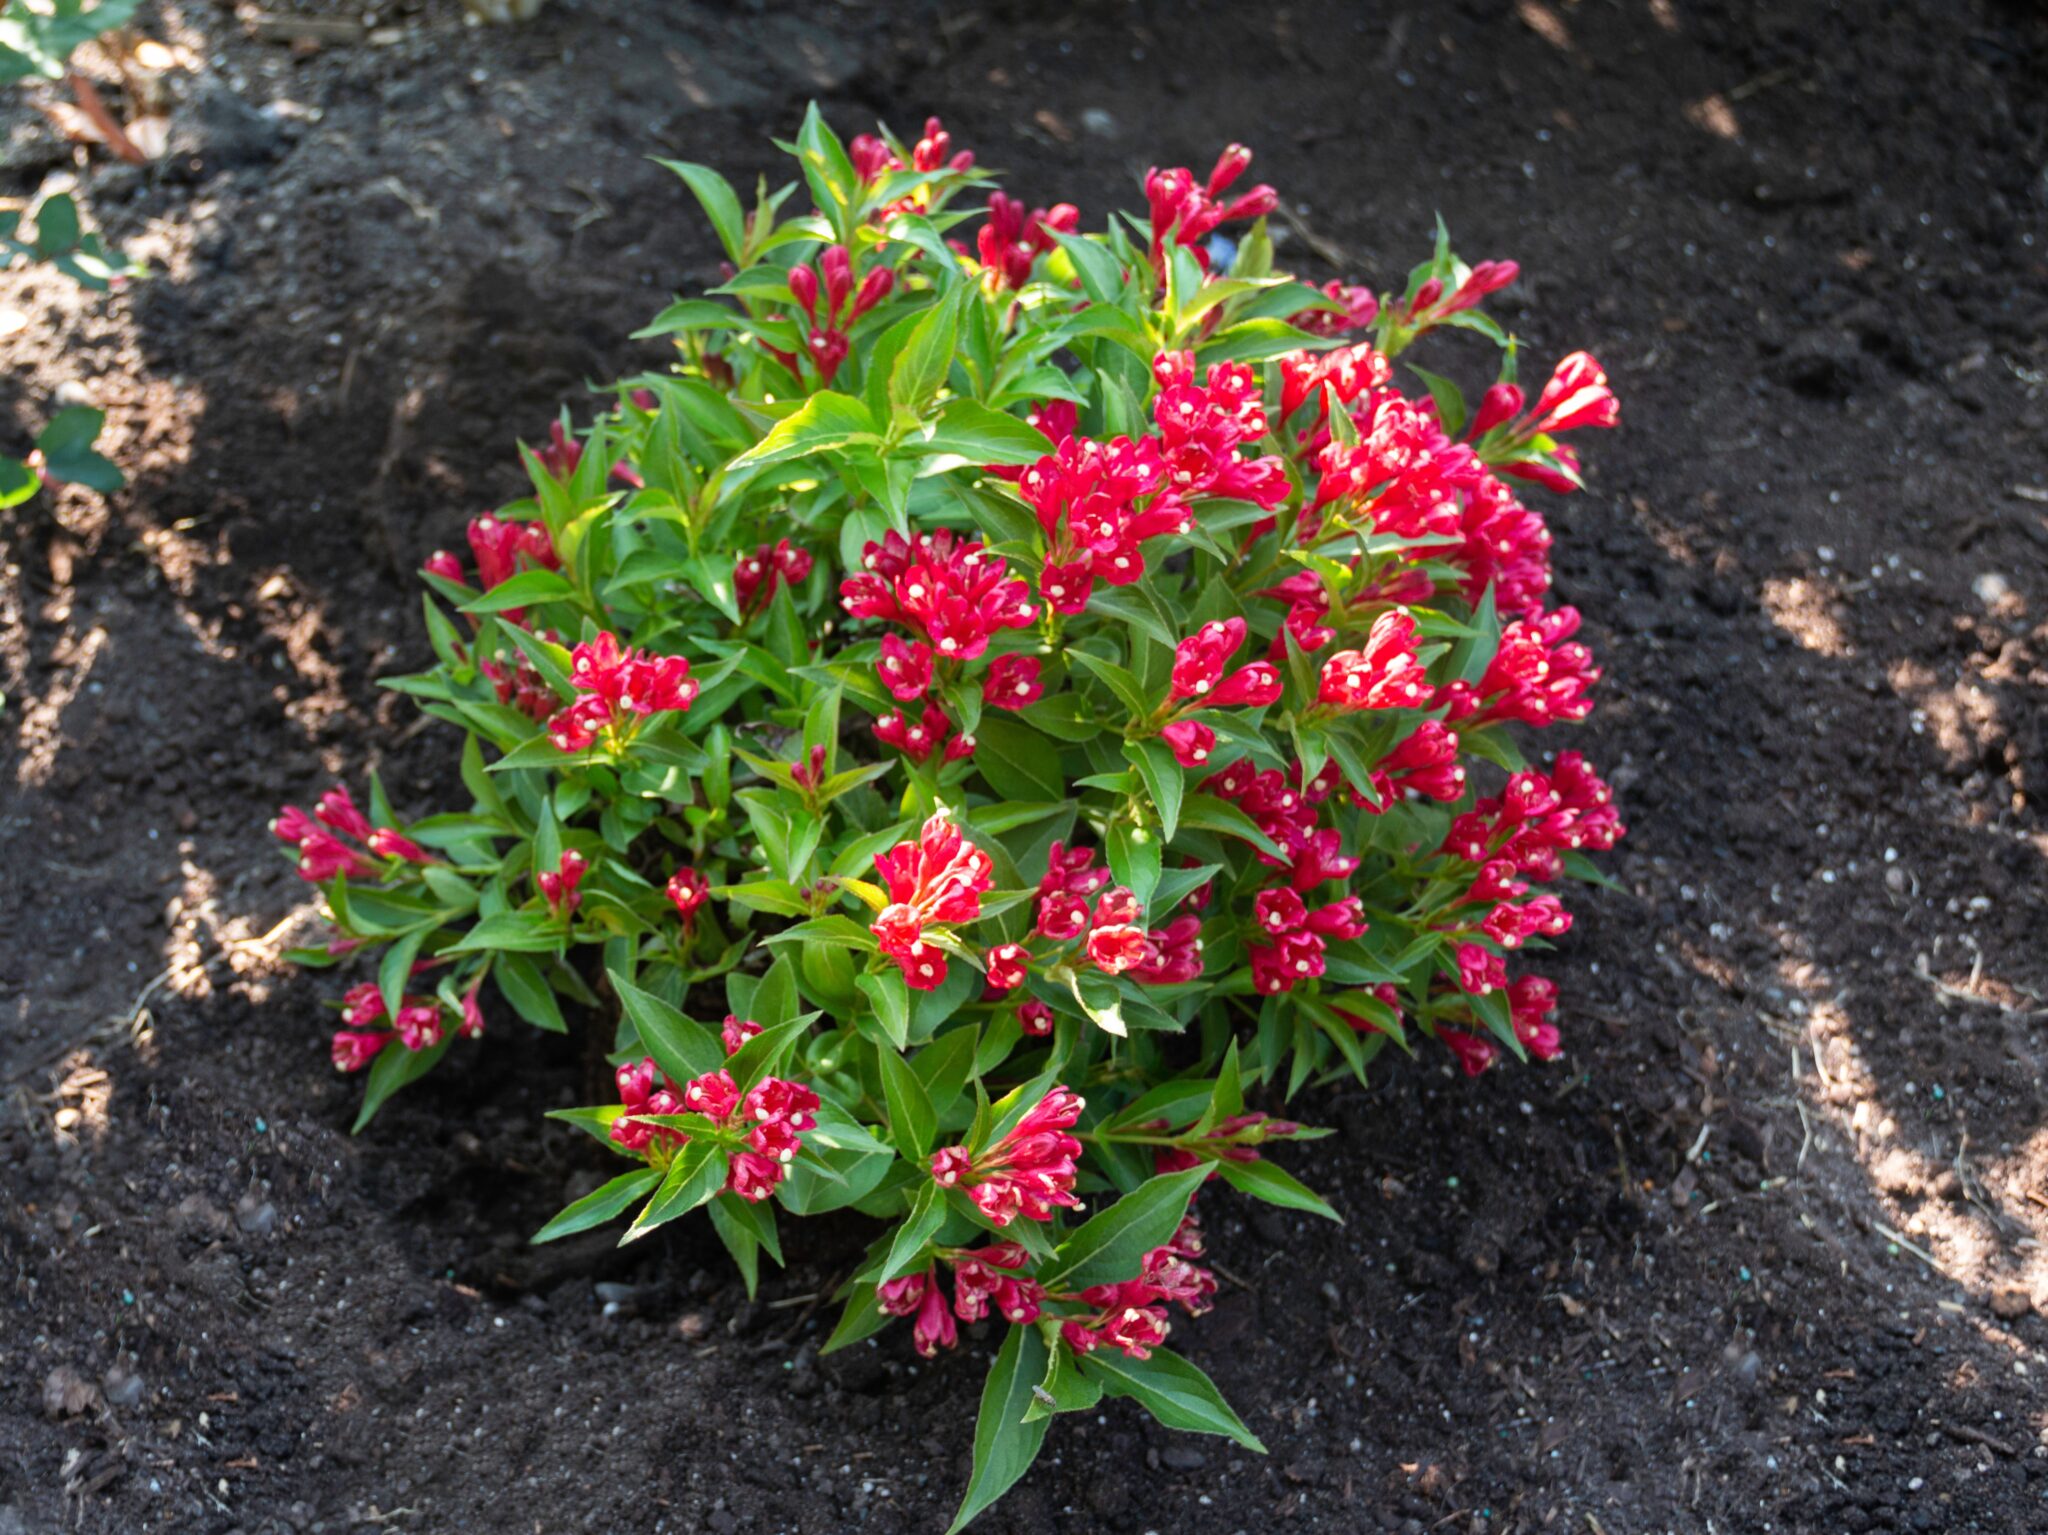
(1003, 699)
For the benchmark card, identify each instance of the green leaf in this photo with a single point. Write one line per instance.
(1129, 691)
(927, 356)
(1018, 762)
(927, 1215)
(1005, 1444)
(721, 204)
(397, 1067)
(595, 1208)
(17, 482)
(1163, 781)
(1110, 1247)
(1064, 1389)
(1172, 1390)
(763, 1055)
(1205, 812)
(862, 1318)
(681, 1047)
(1450, 400)
(527, 589)
(913, 1123)
(824, 422)
(66, 445)
(1276, 1186)
(696, 1174)
(972, 431)
(892, 1003)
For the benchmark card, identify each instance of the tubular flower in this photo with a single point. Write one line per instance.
(1403, 476)
(1505, 546)
(1185, 211)
(920, 1296)
(1012, 240)
(931, 731)
(1481, 972)
(905, 668)
(558, 885)
(354, 1049)
(937, 880)
(955, 595)
(755, 576)
(736, 1031)
(1536, 676)
(1012, 682)
(1190, 741)
(386, 843)
(1035, 1019)
(1029, 1172)
(687, 890)
(616, 688)
(1201, 427)
(989, 1275)
(1087, 496)
(1291, 938)
(1577, 395)
(1531, 1001)
(1347, 371)
(1198, 660)
(1474, 1054)
(1384, 675)
(1425, 765)
(1356, 309)
(324, 853)
(832, 279)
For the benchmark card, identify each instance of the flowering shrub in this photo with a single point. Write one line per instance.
(1039, 688)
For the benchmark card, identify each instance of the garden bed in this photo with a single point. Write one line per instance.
(1761, 1249)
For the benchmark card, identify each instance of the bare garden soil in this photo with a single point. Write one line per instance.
(1763, 1253)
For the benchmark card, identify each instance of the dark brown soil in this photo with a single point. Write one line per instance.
(1763, 1254)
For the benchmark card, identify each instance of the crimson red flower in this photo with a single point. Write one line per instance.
(1097, 503)
(1012, 682)
(938, 880)
(1383, 675)
(931, 731)
(1535, 676)
(1474, 1054)
(1201, 427)
(1190, 741)
(1008, 966)
(736, 1031)
(558, 885)
(1356, 309)
(1198, 660)
(355, 1049)
(989, 1275)
(687, 890)
(1185, 212)
(1029, 1172)
(956, 595)
(755, 576)
(616, 687)
(1577, 395)
(1012, 240)
(905, 668)
(1481, 972)
(1035, 1019)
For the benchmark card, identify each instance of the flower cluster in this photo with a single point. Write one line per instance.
(615, 689)
(1028, 1172)
(1110, 932)
(327, 840)
(935, 882)
(831, 280)
(764, 1129)
(1186, 211)
(1130, 1316)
